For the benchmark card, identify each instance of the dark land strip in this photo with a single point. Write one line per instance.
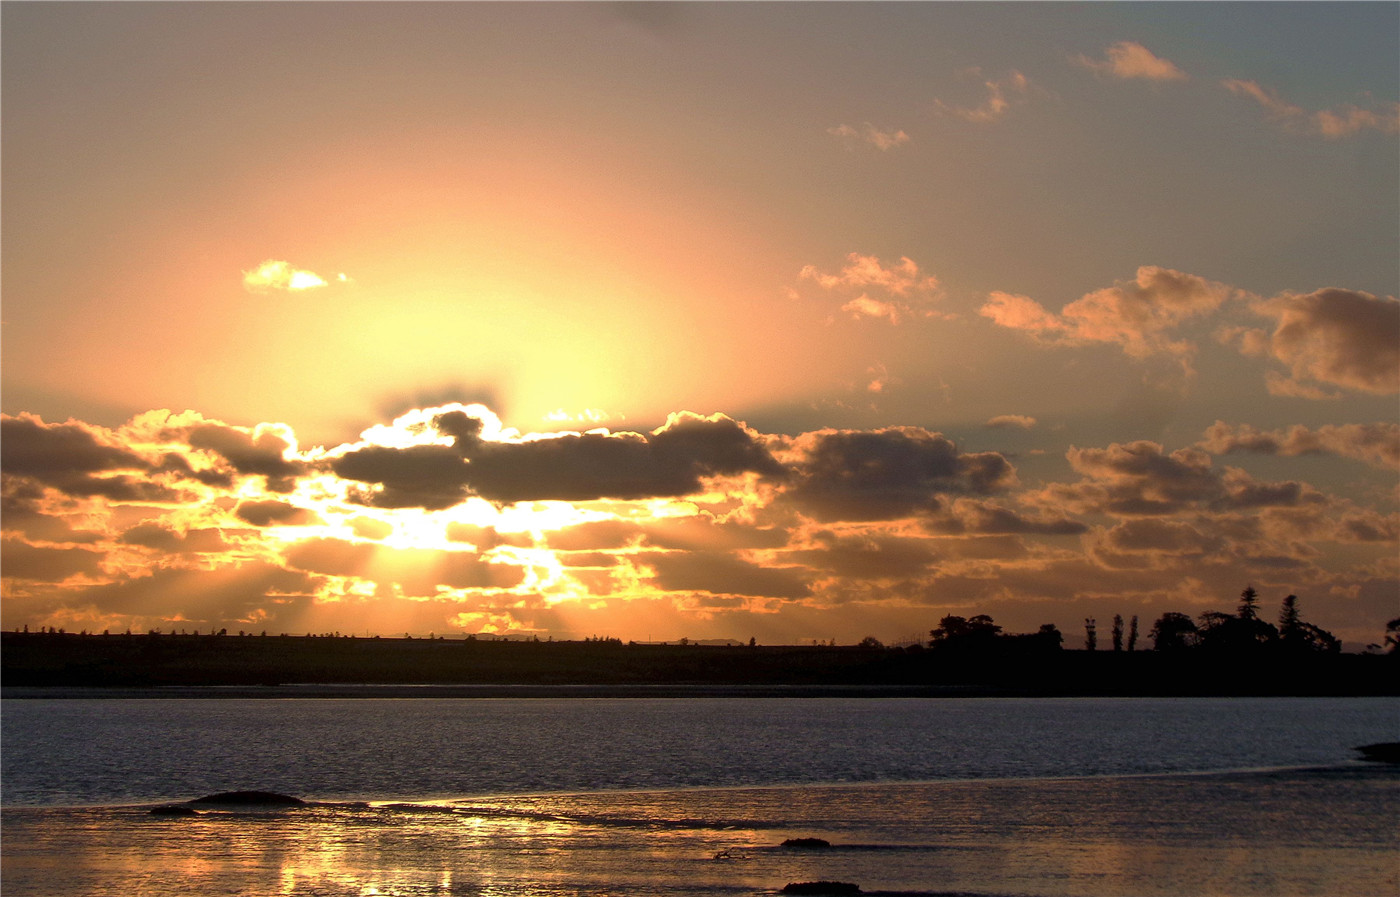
(48, 663)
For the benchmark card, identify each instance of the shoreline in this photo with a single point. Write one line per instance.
(1345, 768)
(111, 664)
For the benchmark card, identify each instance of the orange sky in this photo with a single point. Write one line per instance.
(796, 321)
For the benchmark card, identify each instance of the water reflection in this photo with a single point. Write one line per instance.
(1334, 832)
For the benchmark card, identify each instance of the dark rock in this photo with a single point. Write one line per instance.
(825, 888)
(807, 843)
(250, 799)
(1384, 752)
(174, 810)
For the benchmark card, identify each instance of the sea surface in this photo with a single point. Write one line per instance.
(598, 795)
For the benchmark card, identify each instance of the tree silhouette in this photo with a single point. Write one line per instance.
(1222, 632)
(1173, 632)
(1249, 604)
(1091, 634)
(1118, 632)
(1132, 633)
(1296, 635)
(1392, 635)
(959, 629)
(1288, 618)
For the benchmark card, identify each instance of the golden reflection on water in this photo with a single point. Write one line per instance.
(1090, 838)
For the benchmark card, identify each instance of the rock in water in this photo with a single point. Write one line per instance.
(807, 843)
(824, 888)
(250, 799)
(174, 810)
(1385, 752)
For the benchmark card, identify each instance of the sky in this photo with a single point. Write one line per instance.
(784, 321)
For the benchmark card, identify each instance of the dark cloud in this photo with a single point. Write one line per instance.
(1141, 479)
(21, 513)
(21, 560)
(586, 558)
(866, 556)
(569, 467)
(274, 513)
(485, 538)
(164, 539)
(75, 460)
(432, 477)
(724, 574)
(1377, 444)
(1243, 492)
(1147, 542)
(1340, 337)
(260, 455)
(888, 474)
(971, 517)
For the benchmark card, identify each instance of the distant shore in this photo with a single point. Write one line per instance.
(50, 664)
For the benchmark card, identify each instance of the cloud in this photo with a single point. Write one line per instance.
(868, 133)
(1127, 60)
(894, 524)
(274, 513)
(671, 461)
(887, 474)
(722, 573)
(1376, 444)
(1139, 315)
(870, 556)
(21, 560)
(1345, 121)
(893, 293)
(973, 517)
(1337, 337)
(1150, 543)
(1011, 422)
(278, 275)
(163, 539)
(77, 460)
(1140, 479)
(259, 451)
(1002, 94)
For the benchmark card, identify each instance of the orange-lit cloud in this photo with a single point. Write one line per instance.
(1346, 121)
(280, 275)
(1128, 60)
(893, 293)
(868, 133)
(1376, 444)
(700, 521)
(1011, 421)
(1337, 337)
(1001, 94)
(1140, 316)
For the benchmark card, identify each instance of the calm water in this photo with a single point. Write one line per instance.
(694, 796)
(83, 752)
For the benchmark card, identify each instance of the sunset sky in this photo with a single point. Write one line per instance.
(789, 321)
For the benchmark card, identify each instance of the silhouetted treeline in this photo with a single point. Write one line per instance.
(1033, 664)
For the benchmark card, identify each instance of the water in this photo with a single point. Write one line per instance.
(640, 796)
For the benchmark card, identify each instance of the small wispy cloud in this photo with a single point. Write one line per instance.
(279, 275)
(891, 293)
(868, 133)
(1002, 94)
(1330, 123)
(1128, 60)
(1011, 422)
